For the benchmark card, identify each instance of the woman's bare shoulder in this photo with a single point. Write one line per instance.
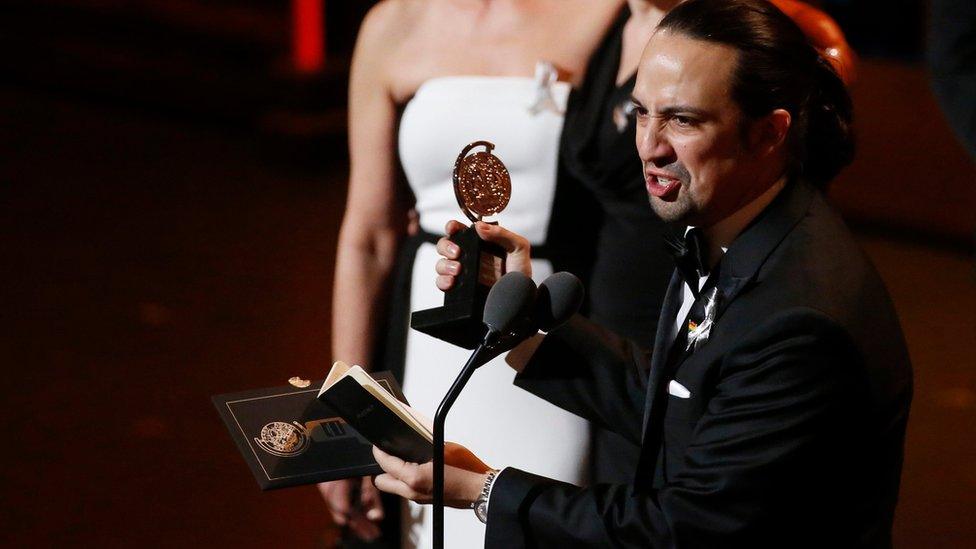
(388, 24)
(386, 29)
(591, 17)
(594, 6)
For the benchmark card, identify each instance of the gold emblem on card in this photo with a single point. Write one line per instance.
(283, 439)
(482, 184)
(296, 381)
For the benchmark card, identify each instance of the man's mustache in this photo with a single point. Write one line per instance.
(676, 168)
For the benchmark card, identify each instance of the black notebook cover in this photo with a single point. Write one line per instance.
(288, 437)
(382, 426)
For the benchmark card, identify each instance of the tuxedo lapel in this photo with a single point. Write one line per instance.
(662, 344)
(740, 266)
(743, 259)
(750, 249)
(727, 289)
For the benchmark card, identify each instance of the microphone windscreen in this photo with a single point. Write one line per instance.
(559, 298)
(509, 301)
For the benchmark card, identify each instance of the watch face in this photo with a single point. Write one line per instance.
(481, 510)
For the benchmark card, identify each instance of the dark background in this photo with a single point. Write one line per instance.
(170, 192)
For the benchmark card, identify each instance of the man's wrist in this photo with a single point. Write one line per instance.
(473, 490)
(480, 505)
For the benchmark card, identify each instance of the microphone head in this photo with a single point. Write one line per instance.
(559, 297)
(509, 301)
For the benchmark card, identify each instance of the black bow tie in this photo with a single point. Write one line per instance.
(689, 256)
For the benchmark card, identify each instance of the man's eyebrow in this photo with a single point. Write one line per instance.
(672, 110)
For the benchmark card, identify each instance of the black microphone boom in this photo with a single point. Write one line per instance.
(509, 301)
(514, 310)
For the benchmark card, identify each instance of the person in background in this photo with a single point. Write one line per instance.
(428, 78)
(951, 56)
(629, 271)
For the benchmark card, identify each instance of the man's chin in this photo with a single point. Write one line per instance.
(670, 211)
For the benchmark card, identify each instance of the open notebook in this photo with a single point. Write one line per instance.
(376, 414)
(387, 422)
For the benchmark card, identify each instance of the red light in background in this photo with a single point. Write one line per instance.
(308, 35)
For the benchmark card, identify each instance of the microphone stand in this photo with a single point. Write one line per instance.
(476, 360)
(563, 293)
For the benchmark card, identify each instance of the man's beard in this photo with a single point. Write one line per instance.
(677, 211)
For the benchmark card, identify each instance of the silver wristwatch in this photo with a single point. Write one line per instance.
(480, 505)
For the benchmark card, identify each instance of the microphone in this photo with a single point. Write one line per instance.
(509, 301)
(514, 310)
(559, 297)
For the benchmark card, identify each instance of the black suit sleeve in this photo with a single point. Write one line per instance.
(593, 373)
(771, 436)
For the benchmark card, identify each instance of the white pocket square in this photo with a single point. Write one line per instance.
(678, 390)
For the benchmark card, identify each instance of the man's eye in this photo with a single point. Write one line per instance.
(636, 110)
(683, 121)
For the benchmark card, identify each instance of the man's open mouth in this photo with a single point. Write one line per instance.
(661, 186)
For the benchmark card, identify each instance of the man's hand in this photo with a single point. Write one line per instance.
(518, 248)
(416, 482)
(354, 503)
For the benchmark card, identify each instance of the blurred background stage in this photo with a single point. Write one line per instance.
(172, 176)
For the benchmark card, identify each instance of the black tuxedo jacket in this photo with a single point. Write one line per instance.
(793, 432)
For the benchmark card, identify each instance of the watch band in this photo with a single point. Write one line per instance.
(480, 505)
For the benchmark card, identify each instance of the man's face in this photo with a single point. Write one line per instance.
(697, 166)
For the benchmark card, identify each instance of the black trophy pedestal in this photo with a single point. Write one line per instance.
(459, 320)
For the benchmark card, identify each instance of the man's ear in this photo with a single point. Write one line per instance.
(768, 134)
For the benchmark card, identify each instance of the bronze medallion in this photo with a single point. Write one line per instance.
(482, 184)
(282, 439)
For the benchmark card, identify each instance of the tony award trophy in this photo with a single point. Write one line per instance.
(483, 187)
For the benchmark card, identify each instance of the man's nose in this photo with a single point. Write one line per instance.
(654, 147)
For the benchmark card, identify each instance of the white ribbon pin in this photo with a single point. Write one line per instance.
(546, 76)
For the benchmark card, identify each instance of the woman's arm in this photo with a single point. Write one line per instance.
(375, 218)
(374, 222)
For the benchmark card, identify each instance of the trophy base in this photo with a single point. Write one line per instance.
(457, 323)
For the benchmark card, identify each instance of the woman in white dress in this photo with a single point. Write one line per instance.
(429, 77)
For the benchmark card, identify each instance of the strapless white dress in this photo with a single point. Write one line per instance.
(499, 422)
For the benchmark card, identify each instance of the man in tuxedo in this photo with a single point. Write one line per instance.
(771, 409)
